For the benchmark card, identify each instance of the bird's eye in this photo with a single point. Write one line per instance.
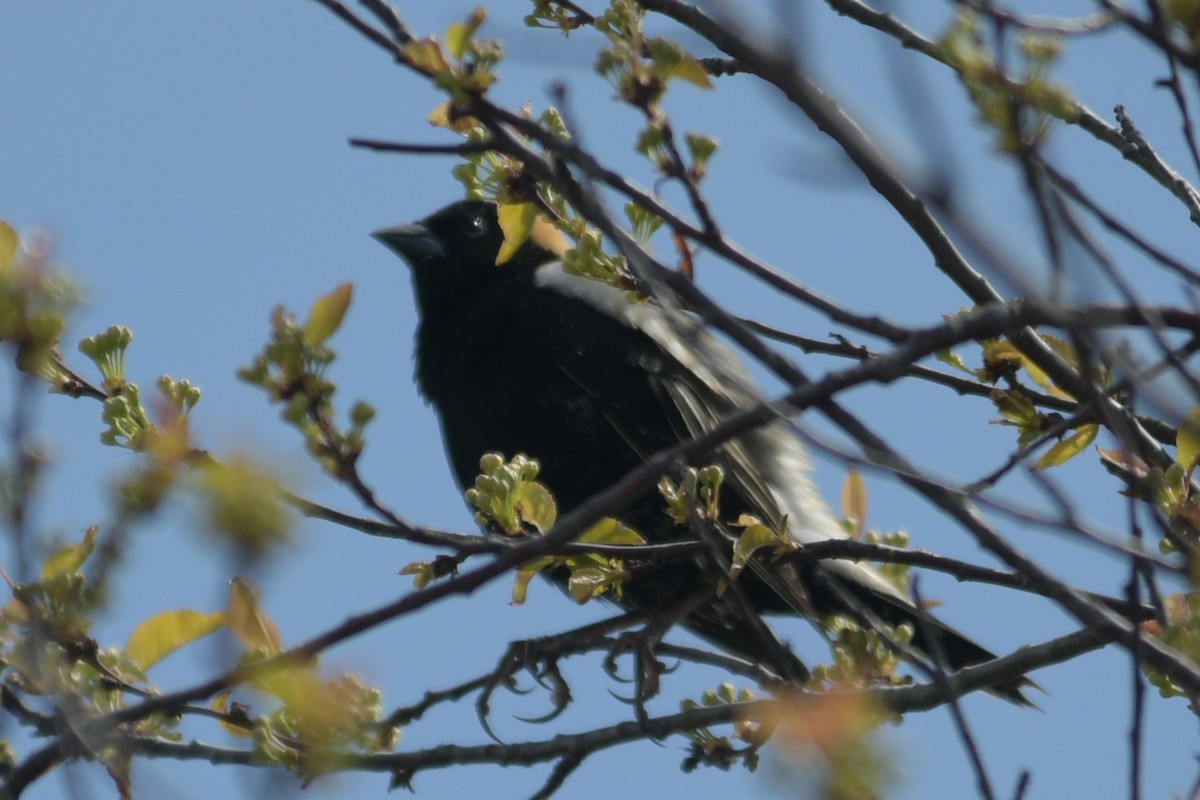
(476, 227)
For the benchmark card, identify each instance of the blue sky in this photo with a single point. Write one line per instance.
(190, 163)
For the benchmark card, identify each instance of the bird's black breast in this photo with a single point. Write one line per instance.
(524, 369)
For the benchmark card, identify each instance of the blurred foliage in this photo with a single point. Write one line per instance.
(295, 716)
(51, 666)
(34, 301)
(291, 370)
(1018, 108)
(828, 738)
(711, 749)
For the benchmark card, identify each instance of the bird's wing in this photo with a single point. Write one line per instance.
(698, 384)
(767, 468)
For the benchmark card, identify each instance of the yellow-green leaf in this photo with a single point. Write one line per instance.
(854, 501)
(9, 241)
(1187, 441)
(291, 683)
(520, 591)
(585, 584)
(422, 572)
(156, 638)
(690, 70)
(326, 315)
(456, 39)
(426, 56)
(1043, 380)
(70, 557)
(536, 506)
(440, 116)
(1069, 447)
(702, 148)
(610, 531)
(1062, 348)
(524, 575)
(755, 536)
(999, 357)
(1015, 408)
(444, 117)
(459, 34)
(247, 621)
(516, 220)
(671, 61)
(947, 356)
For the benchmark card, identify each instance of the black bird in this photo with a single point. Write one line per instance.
(524, 358)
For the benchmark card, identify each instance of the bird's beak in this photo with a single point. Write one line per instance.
(414, 242)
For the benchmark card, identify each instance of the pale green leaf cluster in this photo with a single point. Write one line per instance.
(291, 370)
(510, 500)
(861, 657)
(1018, 107)
(34, 301)
(128, 424)
(709, 748)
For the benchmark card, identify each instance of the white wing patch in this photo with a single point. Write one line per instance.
(809, 518)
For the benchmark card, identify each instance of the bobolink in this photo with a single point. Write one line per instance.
(524, 358)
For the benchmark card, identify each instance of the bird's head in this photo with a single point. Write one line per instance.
(454, 250)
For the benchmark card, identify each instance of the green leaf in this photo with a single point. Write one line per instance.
(948, 356)
(586, 583)
(520, 589)
(444, 116)
(516, 220)
(440, 116)
(1187, 441)
(156, 638)
(1014, 407)
(524, 575)
(1069, 447)
(755, 536)
(422, 572)
(1017, 410)
(326, 315)
(671, 61)
(459, 34)
(702, 148)
(457, 38)
(1064, 351)
(610, 531)
(1000, 358)
(426, 55)
(71, 557)
(535, 505)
